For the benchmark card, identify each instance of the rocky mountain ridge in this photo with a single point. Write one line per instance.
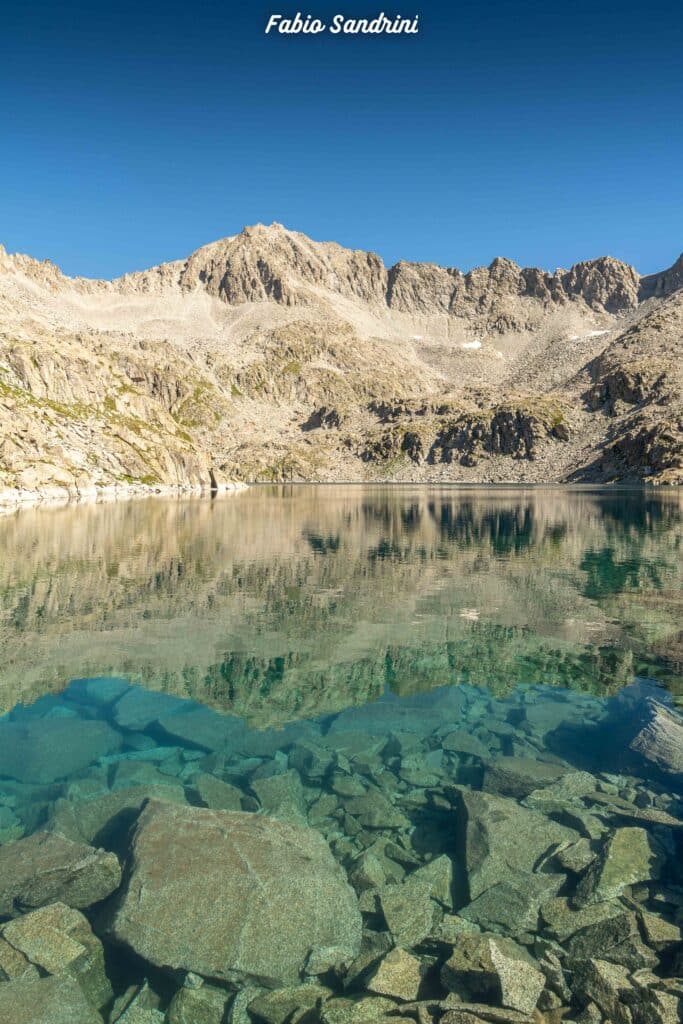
(267, 356)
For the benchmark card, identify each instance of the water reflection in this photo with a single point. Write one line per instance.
(288, 602)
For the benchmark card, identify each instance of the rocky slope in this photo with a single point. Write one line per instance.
(267, 356)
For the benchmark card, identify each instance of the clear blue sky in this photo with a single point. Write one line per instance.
(131, 133)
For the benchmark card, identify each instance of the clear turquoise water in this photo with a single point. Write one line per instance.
(413, 636)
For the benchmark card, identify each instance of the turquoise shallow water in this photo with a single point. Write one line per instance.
(471, 696)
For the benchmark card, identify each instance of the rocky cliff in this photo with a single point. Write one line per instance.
(267, 356)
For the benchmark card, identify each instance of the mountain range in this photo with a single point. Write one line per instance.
(267, 356)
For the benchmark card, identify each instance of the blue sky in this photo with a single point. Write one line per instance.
(132, 133)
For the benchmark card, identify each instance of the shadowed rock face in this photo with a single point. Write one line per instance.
(264, 896)
(265, 356)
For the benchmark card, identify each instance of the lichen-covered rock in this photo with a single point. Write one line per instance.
(233, 896)
(46, 868)
(53, 1000)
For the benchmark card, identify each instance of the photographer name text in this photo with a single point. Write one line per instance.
(381, 24)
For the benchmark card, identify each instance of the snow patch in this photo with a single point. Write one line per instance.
(471, 344)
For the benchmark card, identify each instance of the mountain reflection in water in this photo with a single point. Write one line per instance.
(282, 603)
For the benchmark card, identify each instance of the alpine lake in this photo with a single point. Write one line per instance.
(343, 755)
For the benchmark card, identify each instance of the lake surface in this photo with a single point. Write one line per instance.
(455, 688)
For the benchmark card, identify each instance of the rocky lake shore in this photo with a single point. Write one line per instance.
(450, 857)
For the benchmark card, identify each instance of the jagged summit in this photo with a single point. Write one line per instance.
(273, 263)
(267, 355)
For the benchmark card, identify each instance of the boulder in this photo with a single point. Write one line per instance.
(630, 855)
(519, 776)
(398, 975)
(53, 1000)
(374, 810)
(201, 1004)
(14, 964)
(214, 793)
(100, 690)
(616, 939)
(42, 750)
(409, 911)
(233, 896)
(285, 1004)
(366, 1010)
(661, 740)
(503, 840)
(513, 907)
(106, 819)
(59, 941)
(605, 984)
(47, 868)
(493, 968)
(282, 796)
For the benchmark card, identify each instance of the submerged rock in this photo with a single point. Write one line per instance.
(59, 941)
(398, 975)
(44, 750)
(54, 1000)
(285, 1004)
(661, 740)
(493, 968)
(630, 855)
(46, 867)
(233, 896)
(519, 776)
(201, 1004)
(504, 840)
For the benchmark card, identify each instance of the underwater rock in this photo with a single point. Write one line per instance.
(503, 840)
(659, 933)
(46, 867)
(14, 964)
(459, 741)
(495, 968)
(409, 911)
(100, 691)
(374, 810)
(605, 984)
(202, 728)
(53, 1000)
(562, 919)
(11, 827)
(214, 793)
(138, 708)
(661, 740)
(201, 1004)
(233, 896)
(105, 819)
(519, 776)
(513, 907)
(47, 749)
(366, 1010)
(59, 941)
(630, 855)
(282, 796)
(616, 939)
(398, 975)
(284, 1003)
